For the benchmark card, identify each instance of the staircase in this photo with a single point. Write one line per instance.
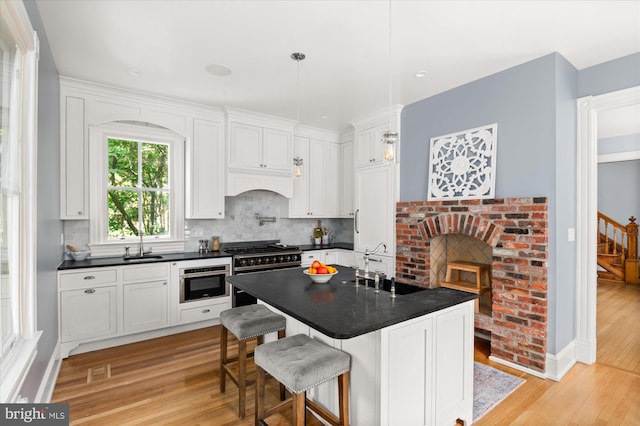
(618, 250)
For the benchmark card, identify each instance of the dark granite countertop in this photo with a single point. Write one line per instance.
(339, 309)
(310, 247)
(119, 261)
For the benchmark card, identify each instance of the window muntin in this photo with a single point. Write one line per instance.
(138, 188)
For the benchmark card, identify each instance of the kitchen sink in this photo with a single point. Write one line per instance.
(401, 288)
(144, 257)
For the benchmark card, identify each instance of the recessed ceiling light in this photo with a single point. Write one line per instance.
(135, 72)
(421, 74)
(218, 70)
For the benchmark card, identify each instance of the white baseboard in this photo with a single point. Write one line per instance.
(48, 383)
(585, 352)
(518, 367)
(560, 364)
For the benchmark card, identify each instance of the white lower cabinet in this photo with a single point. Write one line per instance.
(417, 372)
(88, 313)
(145, 306)
(338, 257)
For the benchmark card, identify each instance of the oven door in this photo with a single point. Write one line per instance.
(203, 284)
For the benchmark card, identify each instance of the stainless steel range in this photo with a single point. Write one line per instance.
(257, 256)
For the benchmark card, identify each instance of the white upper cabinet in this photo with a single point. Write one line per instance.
(74, 191)
(316, 192)
(369, 149)
(346, 178)
(259, 149)
(205, 171)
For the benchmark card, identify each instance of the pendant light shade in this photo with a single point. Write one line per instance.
(390, 138)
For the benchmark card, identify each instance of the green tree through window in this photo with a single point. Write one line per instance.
(138, 188)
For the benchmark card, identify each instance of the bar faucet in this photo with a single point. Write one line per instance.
(141, 234)
(366, 276)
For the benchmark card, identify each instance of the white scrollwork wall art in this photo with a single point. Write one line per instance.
(463, 165)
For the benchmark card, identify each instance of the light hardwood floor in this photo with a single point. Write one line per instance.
(174, 381)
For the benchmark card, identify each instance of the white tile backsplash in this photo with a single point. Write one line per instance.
(240, 224)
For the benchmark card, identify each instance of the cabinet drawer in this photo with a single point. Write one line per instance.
(145, 272)
(202, 313)
(87, 278)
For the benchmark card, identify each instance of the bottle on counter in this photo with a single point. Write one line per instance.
(317, 233)
(215, 243)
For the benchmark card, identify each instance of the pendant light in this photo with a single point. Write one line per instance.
(297, 161)
(390, 138)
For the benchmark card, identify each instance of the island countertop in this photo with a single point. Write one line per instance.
(338, 309)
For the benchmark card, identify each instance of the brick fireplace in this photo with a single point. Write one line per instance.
(516, 230)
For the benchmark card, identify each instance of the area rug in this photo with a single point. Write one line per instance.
(490, 387)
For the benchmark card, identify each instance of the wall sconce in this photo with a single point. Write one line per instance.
(389, 139)
(297, 171)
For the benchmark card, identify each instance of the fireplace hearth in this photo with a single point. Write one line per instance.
(515, 231)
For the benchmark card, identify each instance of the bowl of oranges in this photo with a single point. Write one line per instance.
(319, 272)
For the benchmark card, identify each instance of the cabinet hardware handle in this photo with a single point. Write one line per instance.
(90, 290)
(206, 311)
(80, 212)
(371, 259)
(89, 277)
(164, 283)
(356, 221)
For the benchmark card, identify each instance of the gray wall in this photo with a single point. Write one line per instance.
(611, 76)
(534, 106)
(614, 179)
(619, 144)
(49, 250)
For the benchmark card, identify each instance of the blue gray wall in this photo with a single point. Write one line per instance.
(49, 250)
(610, 76)
(620, 177)
(534, 106)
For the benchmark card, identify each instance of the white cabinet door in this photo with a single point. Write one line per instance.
(375, 208)
(346, 184)
(318, 194)
(453, 382)
(369, 149)
(332, 180)
(74, 172)
(276, 151)
(88, 313)
(145, 306)
(407, 374)
(345, 258)
(331, 257)
(245, 147)
(205, 171)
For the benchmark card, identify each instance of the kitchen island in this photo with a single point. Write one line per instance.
(411, 356)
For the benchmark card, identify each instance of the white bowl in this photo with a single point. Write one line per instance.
(80, 255)
(319, 278)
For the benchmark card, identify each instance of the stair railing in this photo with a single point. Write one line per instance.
(613, 234)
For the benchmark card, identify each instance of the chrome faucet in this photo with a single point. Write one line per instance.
(141, 234)
(366, 275)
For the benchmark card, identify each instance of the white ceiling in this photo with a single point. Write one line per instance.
(346, 73)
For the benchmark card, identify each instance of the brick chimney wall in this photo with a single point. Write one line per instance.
(517, 229)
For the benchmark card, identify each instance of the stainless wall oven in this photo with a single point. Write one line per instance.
(206, 282)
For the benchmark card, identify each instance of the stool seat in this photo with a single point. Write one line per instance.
(301, 363)
(246, 322)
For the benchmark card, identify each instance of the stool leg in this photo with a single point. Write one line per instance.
(242, 376)
(260, 379)
(281, 335)
(343, 398)
(223, 357)
(299, 408)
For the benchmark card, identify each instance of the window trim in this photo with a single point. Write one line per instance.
(15, 366)
(98, 135)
